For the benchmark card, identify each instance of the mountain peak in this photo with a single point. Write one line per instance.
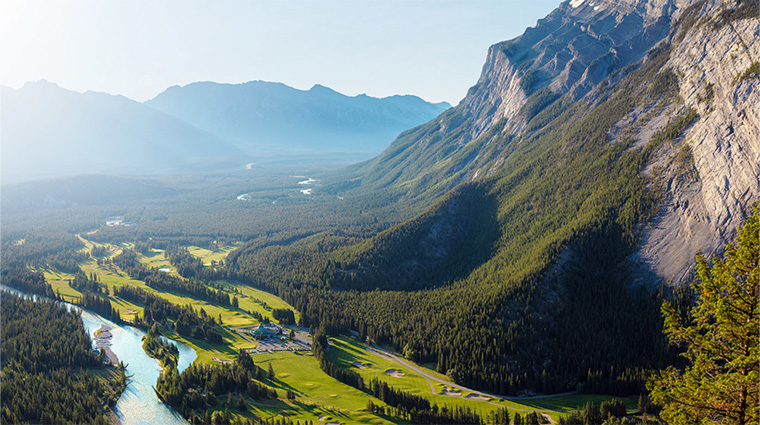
(49, 131)
(320, 87)
(40, 83)
(579, 57)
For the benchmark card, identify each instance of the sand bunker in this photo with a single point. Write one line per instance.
(395, 373)
(130, 312)
(478, 397)
(451, 392)
(360, 365)
(324, 418)
(217, 359)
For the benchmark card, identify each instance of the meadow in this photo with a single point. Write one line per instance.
(318, 396)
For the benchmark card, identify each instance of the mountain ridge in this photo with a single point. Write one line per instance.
(556, 297)
(262, 114)
(49, 131)
(476, 138)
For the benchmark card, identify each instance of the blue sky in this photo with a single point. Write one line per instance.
(432, 48)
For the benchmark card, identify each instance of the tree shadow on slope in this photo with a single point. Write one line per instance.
(435, 248)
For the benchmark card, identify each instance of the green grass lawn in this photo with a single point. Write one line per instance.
(208, 256)
(155, 259)
(571, 402)
(346, 350)
(113, 277)
(317, 394)
(251, 299)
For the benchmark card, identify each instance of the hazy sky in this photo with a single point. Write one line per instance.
(432, 48)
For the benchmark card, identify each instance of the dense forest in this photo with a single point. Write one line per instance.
(194, 392)
(50, 373)
(157, 347)
(543, 301)
(516, 282)
(187, 321)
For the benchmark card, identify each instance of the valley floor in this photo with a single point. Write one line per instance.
(318, 397)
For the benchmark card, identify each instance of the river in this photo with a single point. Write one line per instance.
(138, 403)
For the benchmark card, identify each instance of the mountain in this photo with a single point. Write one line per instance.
(272, 116)
(574, 58)
(48, 131)
(571, 50)
(596, 155)
(711, 178)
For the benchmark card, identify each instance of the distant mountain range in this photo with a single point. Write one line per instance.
(48, 131)
(261, 114)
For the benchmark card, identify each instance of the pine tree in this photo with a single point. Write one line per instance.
(518, 419)
(720, 384)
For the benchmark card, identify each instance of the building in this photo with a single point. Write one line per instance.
(262, 331)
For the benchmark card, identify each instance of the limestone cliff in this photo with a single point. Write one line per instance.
(711, 177)
(571, 50)
(706, 178)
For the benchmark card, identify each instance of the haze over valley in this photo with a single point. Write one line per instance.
(566, 244)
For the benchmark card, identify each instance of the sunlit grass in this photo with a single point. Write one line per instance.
(216, 255)
(252, 299)
(346, 350)
(317, 393)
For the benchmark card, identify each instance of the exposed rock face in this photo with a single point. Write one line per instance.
(581, 43)
(701, 213)
(572, 49)
(709, 175)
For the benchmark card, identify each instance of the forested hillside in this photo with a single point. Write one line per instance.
(521, 279)
(48, 373)
(507, 243)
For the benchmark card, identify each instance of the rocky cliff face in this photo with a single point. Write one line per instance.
(721, 152)
(571, 50)
(707, 177)
(567, 53)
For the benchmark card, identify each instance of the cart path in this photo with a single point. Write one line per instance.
(430, 378)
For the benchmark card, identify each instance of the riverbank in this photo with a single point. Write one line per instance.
(50, 372)
(160, 348)
(138, 404)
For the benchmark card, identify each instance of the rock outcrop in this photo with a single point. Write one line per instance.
(708, 176)
(571, 50)
(702, 211)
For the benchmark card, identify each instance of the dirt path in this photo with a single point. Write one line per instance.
(430, 378)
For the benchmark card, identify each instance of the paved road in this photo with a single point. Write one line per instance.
(401, 362)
